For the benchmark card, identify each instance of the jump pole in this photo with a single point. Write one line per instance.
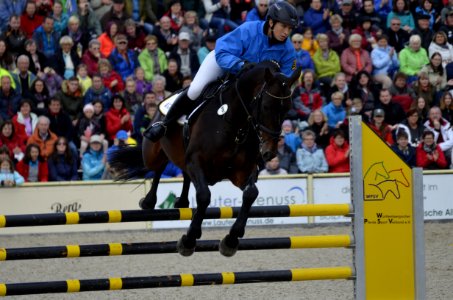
(387, 197)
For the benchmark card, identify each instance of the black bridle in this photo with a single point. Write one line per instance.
(255, 122)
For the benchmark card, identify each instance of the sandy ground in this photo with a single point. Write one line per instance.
(438, 247)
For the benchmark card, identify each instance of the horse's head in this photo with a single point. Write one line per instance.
(274, 101)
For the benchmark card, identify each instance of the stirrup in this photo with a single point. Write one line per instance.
(156, 131)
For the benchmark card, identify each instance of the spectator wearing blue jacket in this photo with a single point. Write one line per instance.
(310, 158)
(317, 17)
(303, 58)
(62, 163)
(93, 161)
(251, 42)
(98, 91)
(46, 38)
(122, 66)
(292, 139)
(385, 62)
(335, 111)
(259, 12)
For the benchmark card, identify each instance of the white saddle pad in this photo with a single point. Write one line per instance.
(165, 105)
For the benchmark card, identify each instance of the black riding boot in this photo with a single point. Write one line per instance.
(157, 130)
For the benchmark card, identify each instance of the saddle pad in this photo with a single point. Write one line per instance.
(165, 105)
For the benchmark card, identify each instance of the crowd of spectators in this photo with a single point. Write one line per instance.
(78, 77)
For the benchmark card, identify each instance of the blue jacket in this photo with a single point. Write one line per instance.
(334, 114)
(47, 46)
(9, 105)
(92, 165)
(313, 19)
(409, 158)
(60, 170)
(248, 42)
(18, 179)
(311, 160)
(293, 141)
(121, 66)
(382, 63)
(105, 96)
(406, 18)
(9, 8)
(303, 59)
(253, 15)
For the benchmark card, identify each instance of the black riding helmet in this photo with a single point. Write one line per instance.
(283, 12)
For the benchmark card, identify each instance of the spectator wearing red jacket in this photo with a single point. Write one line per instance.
(337, 153)
(428, 154)
(12, 140)
(33, 167)
(382, 129)
(307, 97)
(117, 118)
(30, 20)
(110, 78)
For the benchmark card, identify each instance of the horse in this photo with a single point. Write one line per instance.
(236, 128)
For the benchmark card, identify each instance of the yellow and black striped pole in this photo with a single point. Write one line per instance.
(117, 216)
(68, 251)
(85, 285)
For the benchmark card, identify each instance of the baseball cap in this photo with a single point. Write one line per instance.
(95, 138)
(347, 2)
(184, 36)
(378, 112)
(122, 135)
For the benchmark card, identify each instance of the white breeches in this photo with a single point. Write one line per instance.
(208, 72)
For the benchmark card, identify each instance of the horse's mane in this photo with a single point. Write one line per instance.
(258, 70)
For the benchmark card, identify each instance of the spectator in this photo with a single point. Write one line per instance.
(176, 14)
(117, 118)
(339, 84)
(422, 108)
(93, 161)
(317, 122)
(310, 158)
(152, 59)
(143, 13)
(116, 14)
(423, 30)
(218, 15)
(382, 129)
(167, 38)
(210, 42)
(89, 23)
(186, 56)
(46, 38)
(97, 91)
(441, 45)
(39, 96)
(306, 97)
(338, 35)
(385, 62)
(436, 72)
(84, 80)
(173, 77)
(413, 58)
(6, 59)
(62, 164)
(29, 19)
(446, 10)
(259, 12)
(401, 92)
(413, 126)
(4, 152)
(286, 156)
(135, 36)
(334, 111)
(100, 7)
(80, 38)
(398, 37)
(348, 14)
(369, 11)
(60, 122)
(394, 113)
(89, 126)
(44, 7)
(13, 140)
(424, 89)
(142, 118)
(303, 58)
(368, 33)
(151, 109)
(59, 17)
(362, 87)
(66, 60)
(123, 60)
(309, 44)
(326, 61)
(426, 9)
(43, 137)
(132, 99)
(402, 11)
(448, 27)
(99, 115)
(192, 27)
(25, 121)
(159, 88)
(441, 128)
(337, 153)
(14, 36)
(71, 98)
(317, 17)
(142, 85)
(110, 78)
(106, 39)
(38, 61)
(354, 58)
(8, 9)
(292, 139)
(22, 76)
(429, 155)
(9, 98)
(91, 57)
(33, 167)
(273, 168)
(404, 149)
(8, 176)
(446, 106)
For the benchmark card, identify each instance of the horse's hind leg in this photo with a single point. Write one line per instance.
(183, 200)
(229, 245)
(186, 245)
(150, 200)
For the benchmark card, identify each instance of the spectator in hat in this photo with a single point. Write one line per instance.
(116, 14)
(426, 8)
(185, 55)
(93, 160)
(382, 129)
(123, 60)
(423, 30)
(209, 45)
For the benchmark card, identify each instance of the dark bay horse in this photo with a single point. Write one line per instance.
(226, 140)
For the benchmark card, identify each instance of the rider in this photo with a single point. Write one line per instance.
(254, 41)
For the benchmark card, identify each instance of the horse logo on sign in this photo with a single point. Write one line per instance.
(378, 183)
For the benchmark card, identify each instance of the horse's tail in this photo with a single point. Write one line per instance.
(127, 163)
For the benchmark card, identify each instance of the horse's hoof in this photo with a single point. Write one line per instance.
(181, 203)
(183, 250)
(144, 205)
(228, 246)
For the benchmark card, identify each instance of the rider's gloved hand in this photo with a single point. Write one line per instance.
(246, 66)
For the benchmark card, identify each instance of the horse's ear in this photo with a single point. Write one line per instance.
(268, 75)
(295, 76)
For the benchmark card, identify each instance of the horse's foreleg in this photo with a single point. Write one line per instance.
(150, 200)
(186, 245)
(229, 245)
(183, 200)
